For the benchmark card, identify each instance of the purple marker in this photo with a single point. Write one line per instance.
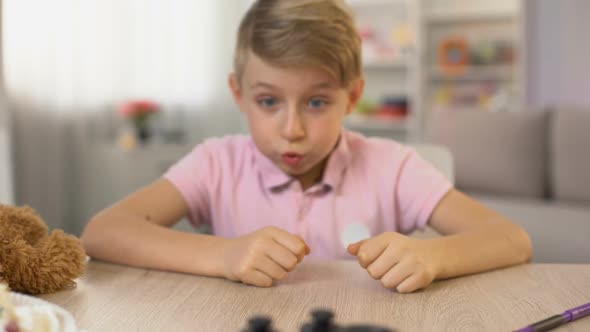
(558, 320)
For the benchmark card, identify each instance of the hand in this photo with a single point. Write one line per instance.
(398, 261)
(264, 256)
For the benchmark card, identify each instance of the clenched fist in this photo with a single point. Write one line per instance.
(263, 256)
(398, 261)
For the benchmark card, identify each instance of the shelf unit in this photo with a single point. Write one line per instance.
(360, 122)
(386, 65)
(389, 74)
(492, 76)
(475, 73)
(446, 18)
(418, 76)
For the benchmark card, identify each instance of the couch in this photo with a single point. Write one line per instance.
(531, 166)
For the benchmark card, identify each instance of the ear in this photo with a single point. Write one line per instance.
(234, 86)
(355, 93)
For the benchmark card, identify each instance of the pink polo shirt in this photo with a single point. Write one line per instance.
(228, 183)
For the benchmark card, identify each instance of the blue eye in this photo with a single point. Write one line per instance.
(317, 103)
(268, 102)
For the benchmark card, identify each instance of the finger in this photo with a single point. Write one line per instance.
(282, 256)
(412, 284)
(382, 264)
(293, 243)
(397, 274)
(257, 278)
(354, 248)
(269, 267)
(369, 251)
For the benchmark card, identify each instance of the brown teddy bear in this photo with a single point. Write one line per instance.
(33, 261)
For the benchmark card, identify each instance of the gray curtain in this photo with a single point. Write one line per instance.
(6, 164)
(45, 163)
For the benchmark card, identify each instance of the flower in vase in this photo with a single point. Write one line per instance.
(139, 112)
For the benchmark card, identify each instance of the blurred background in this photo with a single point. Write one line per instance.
(100, 97)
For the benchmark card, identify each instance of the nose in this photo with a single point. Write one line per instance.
(293, 128)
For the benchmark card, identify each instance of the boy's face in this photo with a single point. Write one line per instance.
(295, 114)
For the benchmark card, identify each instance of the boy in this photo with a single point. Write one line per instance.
(289, 189)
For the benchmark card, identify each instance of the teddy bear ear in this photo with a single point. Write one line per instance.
(18, 210)
(30, 210)
(24, 212)
(22, 222)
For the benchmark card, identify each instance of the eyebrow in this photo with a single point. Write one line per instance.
(321, 85)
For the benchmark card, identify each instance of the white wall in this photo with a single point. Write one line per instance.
(558, 52)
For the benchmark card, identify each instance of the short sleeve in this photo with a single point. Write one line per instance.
(419, 189)
(192, 176)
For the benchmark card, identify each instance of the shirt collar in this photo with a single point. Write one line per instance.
(337, 162)
(274, 178)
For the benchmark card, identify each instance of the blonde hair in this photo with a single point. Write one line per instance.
(301, 33)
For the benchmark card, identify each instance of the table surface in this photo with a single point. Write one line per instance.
(119, 298)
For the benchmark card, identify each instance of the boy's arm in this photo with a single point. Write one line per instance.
(135, 231)
(478, 238)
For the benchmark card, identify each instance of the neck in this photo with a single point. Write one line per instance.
(313, 176)
(316, 173)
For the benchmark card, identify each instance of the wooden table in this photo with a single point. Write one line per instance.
(118, 298)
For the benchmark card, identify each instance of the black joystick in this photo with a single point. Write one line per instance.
(321, 322)
(259, 324)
